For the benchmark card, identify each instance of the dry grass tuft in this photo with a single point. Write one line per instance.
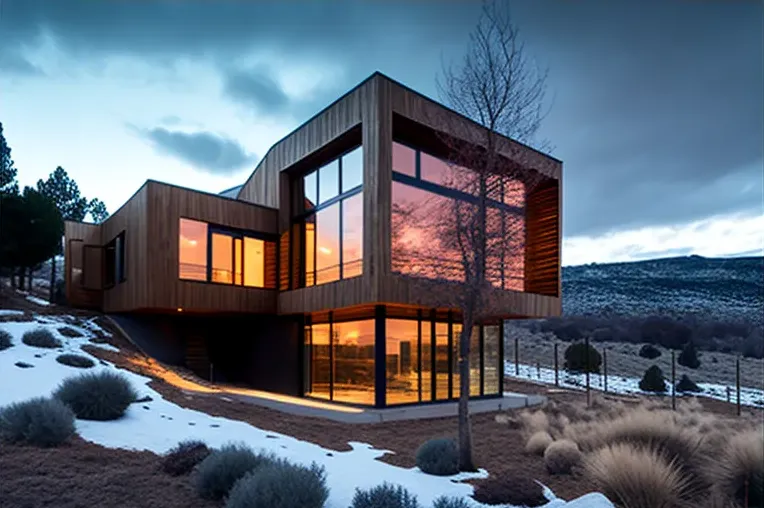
(538, 443)
(637, 477)
(738, 471)
(536, 421)
(560, 457)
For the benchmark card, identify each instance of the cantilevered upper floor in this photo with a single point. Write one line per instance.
(348, 210)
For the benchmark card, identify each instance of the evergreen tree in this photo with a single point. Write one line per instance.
(8, 184)
(98, 210)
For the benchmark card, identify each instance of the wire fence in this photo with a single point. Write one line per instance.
(720, 376)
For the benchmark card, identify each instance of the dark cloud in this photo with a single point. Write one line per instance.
(256, 89)
(205, 151)
(658, 109)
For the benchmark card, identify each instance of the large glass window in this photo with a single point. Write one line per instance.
(441, 361)
(491, 360)
(435, 211)
(192, 250)
(233, 257)
(354, 362)
(320, 362)
(332, 220)
(475, 377)
(456, 336)
(402, 362)
(426, 360)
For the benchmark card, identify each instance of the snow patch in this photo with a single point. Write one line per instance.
(38, 301)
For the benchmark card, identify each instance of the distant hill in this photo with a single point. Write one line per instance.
(720, 288)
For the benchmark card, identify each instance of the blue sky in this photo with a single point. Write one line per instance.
(656, 107)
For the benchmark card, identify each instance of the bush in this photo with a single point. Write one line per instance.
(538, 442)
(575, 358)
(739, 472)
(68, 331)
(689, 357)
(649, 351)
(653, 380)
(687, 385)
(40, 337)
(562, 456)
(5, 340)
(79, 361)
(384, 496)
(101, 396)
(636, 477)
(450, 502)
(39, 421)
(438, 457)
(217, 474)
(280, 485)
(184, 457)
(514, 490)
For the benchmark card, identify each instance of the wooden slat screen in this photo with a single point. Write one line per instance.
(542, 262)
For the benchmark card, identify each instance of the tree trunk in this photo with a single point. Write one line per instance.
(465, 429)
(52, 292)
(21, 279)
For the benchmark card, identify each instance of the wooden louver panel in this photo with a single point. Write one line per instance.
(542, 262)
(284, 261)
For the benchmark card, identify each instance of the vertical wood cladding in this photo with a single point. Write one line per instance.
(77, 235)
(542, 251)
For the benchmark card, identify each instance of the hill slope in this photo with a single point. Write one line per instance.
(722, 288)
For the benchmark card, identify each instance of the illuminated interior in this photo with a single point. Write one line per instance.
(339, 361)
(434, 210)
(233, 257)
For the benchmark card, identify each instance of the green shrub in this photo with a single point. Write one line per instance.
(5, 340)
(72, 360)
(217, 474)
(687, 385)
(450, 502)
(575, 358)
(653, 380)
(40, 337)
(649, 351)
(280, 485)
(68, 331)
(513, 490)
(384, 496)
(100, 396)
(39, 421)
(184, 457)
(438, 457)
(689, 356)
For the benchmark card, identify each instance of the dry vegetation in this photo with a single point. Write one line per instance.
(647, 456)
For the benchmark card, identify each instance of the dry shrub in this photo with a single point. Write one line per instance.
(507, 489)
(637, 477)
(538, 442)
(738, 472)
(560, 457)
(535, 422)
(657, 430)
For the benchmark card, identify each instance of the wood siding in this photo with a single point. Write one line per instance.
(76, 236)
(543, 235)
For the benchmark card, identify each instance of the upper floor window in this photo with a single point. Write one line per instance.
(429, 197)
(114, 261)
(213, 254)
(331, 220)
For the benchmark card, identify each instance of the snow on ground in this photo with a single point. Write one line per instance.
(38, 301)
(626, 385)
(158, 425)
(4, 312)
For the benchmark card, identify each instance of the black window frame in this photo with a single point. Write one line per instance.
(300, 219)
(114, 261)
(234, 233)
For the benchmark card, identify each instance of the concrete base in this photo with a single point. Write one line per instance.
(345, 414)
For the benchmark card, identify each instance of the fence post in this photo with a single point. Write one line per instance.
(556, 367)
(212, 373)
(586, 366)
(517, 357)
(737, 383)
(673, 379)
(538, 370)
(729, 395)
(604, 362)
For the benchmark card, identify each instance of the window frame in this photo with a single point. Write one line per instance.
(111, 280)
(301, 218)
(234, 233)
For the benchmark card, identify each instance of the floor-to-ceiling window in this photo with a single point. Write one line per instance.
(420, 353)
(434, 208)
(329, 210)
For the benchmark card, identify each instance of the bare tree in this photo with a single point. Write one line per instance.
(481, 239)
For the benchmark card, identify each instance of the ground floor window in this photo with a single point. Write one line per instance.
(421, 359)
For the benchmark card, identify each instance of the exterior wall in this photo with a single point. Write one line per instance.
(77, 235)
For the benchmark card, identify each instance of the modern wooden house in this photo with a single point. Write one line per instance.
(324, 276)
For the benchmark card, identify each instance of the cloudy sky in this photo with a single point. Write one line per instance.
(657, 107)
